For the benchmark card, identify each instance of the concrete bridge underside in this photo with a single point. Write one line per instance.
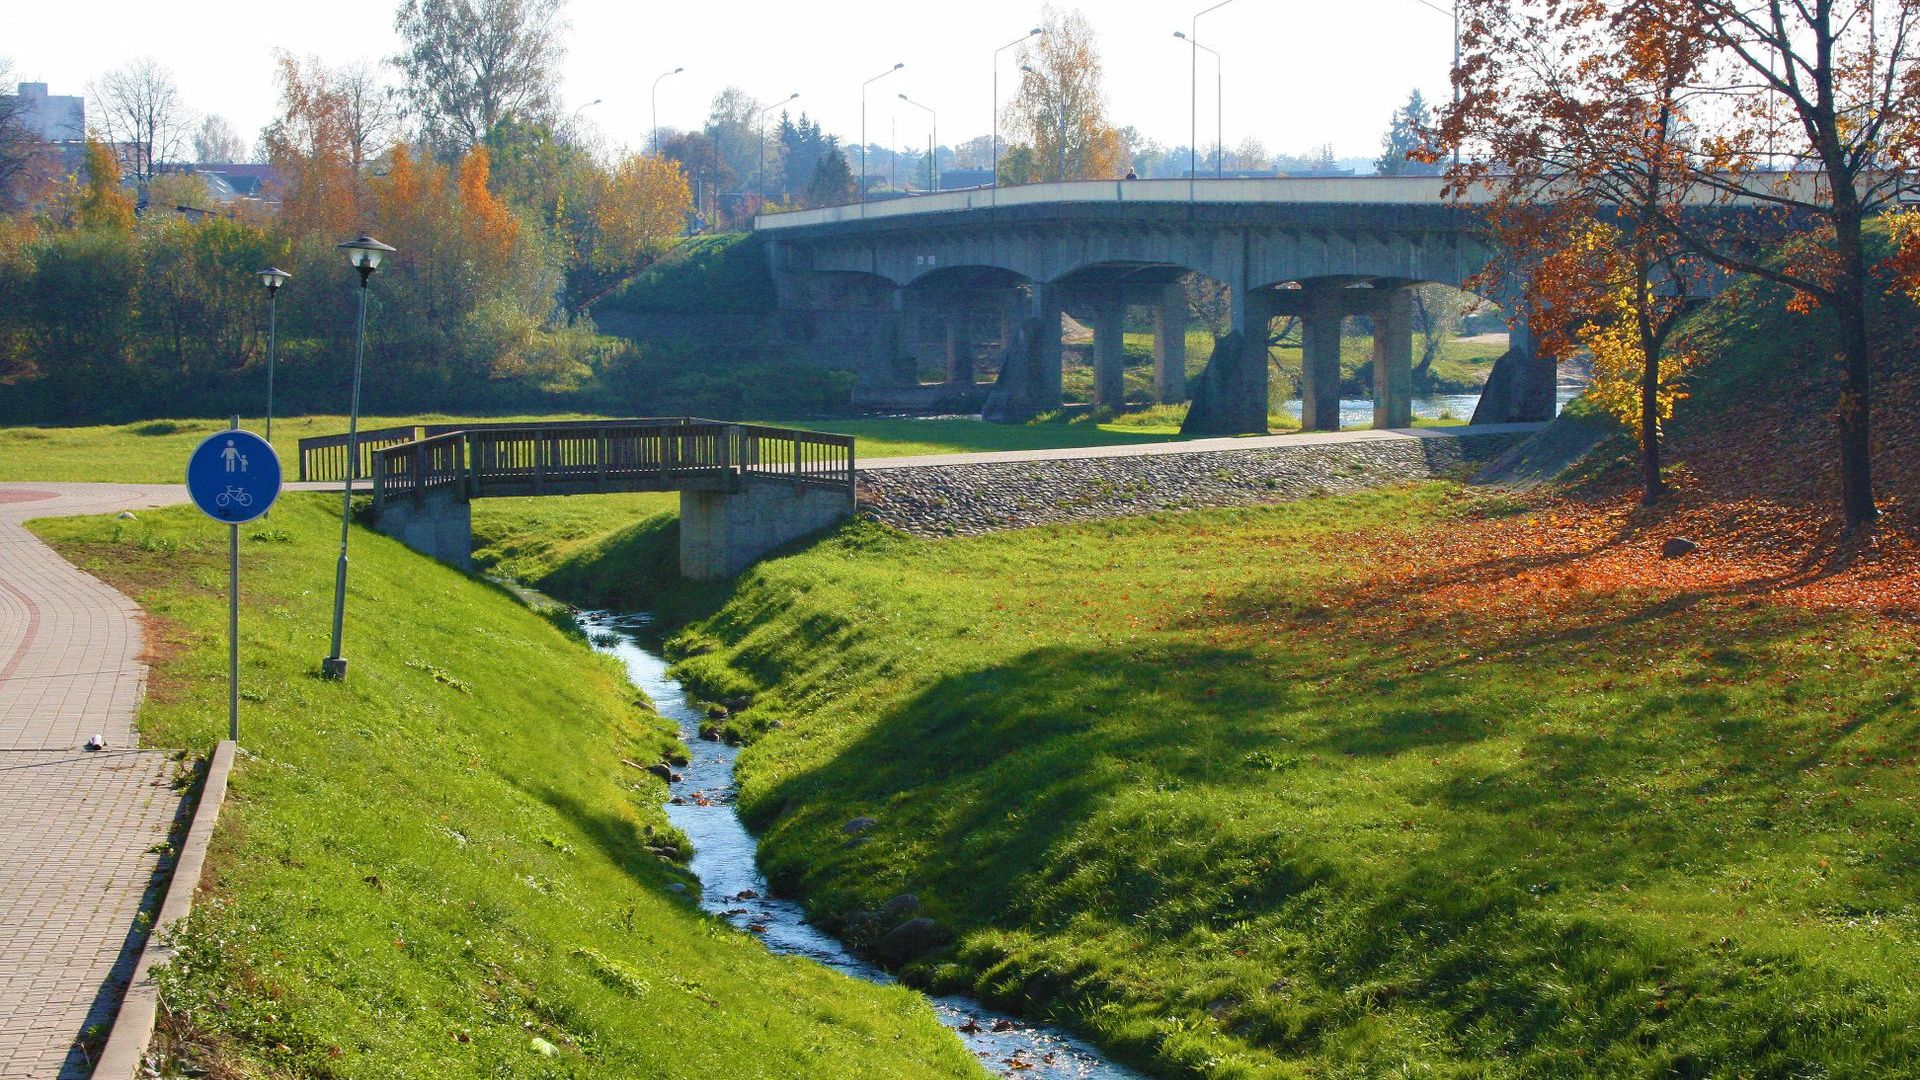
(970, 282)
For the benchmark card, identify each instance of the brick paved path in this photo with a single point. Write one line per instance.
(76, 828)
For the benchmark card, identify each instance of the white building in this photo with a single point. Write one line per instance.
(53, 117)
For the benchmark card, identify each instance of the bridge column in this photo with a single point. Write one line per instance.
(959, 346)
(1109, 352)
(1170, 345)
(1320, 323)
(1393, 359)
(1048, 309)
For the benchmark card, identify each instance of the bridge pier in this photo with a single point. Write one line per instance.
(1321, 317)
(1170, 345)
(1109, 350)
(959, 344)
(1049, 307)
(1393, 358)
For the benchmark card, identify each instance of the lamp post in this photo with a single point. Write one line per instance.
(1033, 33)
(1452, 12)
(272, 278)
(933, 143)
(863, 131)
(1193, 97)
(763, 141)
(581, 109)
(656, 108)
(1219, 101)
(363, 254)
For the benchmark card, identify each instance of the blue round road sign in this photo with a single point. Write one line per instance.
(234, 476)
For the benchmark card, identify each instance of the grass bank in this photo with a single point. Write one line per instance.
(1298, 792)
(443, 867)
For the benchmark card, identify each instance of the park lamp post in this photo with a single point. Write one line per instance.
(933, 142)
(363, 254)
(1219, 102)
(763, 139)
(1033, 33)
(272, 278)
(863, 130)
(656, 109)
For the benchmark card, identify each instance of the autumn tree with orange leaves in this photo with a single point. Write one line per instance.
(1578, 112)
(1059, 114)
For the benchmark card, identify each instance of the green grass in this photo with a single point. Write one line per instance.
(424, 870)
(155, 451)
(1163, 783)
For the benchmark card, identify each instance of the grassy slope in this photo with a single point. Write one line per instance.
(423, 870)
(1166, 784)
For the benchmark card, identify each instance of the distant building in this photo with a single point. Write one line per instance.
(56, 118)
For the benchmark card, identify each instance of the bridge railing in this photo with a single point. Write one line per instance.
(570, 457)
(414, 468)
(324, 457)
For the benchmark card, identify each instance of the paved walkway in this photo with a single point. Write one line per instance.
(76, 828)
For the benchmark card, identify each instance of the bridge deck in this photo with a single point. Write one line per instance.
(580, 457)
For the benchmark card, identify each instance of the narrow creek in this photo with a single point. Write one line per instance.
(732, 887)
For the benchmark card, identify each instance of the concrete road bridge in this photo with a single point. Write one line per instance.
(999, 266)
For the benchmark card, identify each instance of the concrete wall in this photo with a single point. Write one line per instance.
(722, 534)
(439, 524)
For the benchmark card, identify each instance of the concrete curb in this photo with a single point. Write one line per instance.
(126, 1047)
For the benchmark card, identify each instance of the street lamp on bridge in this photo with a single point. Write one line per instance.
(272, 278)
(1219, 102)
(1452, 12)
(863, 130)
(1193, 96)
(763, 140)
(933, 143)
(656, 108)
(1033, 33)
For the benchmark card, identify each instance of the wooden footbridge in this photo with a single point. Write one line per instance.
(744, 489)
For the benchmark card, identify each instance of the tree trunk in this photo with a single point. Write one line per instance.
(1651, 486)
(1856, 359)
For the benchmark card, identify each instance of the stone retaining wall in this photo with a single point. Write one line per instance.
(946, 500)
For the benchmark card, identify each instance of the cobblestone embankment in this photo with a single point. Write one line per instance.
(964, 499)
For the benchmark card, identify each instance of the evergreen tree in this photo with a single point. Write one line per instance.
(832, 182)
(1404, 135)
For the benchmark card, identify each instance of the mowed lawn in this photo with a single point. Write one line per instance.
(155, 451)
(1214, 789)
(445, 867)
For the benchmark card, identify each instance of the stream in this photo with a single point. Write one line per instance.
(732, 887)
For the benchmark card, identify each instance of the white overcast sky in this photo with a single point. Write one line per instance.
(1298, 74)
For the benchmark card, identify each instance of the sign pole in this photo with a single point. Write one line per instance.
(233, 625)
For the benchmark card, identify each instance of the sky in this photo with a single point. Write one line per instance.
(1297, 75)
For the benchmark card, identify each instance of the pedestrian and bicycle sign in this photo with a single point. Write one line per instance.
(234, 476)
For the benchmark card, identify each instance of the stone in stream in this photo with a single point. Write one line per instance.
(909, 941)
(717, 712)
(660, 770)
(900, 907)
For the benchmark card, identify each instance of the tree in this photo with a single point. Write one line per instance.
(216, 141)
(1406, 135)
(310, 144)
(1583, 127)
(634, 213)
(470, 64)
(141, 114)
(832, 182)
(371, 113)
(1438, 312)
(1060, 109)
(1828, 90)
(19, 147)
(100, 202)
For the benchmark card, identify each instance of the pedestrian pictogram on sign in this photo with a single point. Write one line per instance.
(234, 476)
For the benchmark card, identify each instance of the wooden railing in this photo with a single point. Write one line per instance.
(573, 457)
(324, 457)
